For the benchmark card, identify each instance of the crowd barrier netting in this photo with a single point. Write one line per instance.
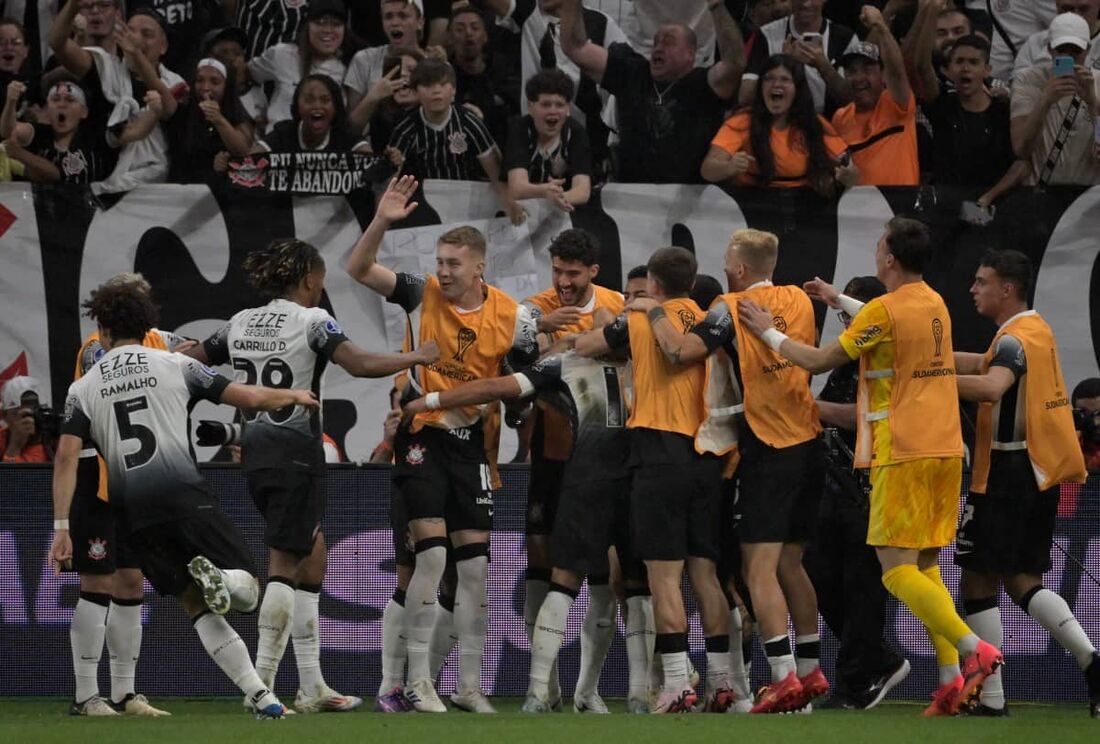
(36, 606)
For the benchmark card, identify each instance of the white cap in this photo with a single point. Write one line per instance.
(16, 388)
(418, 4)
(1069, 28)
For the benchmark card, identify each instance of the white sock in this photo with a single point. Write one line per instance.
(637, 654)
(987, 624)
(948, 673)
(443, 640)
(675, 666)
(274, 629)
(393, 644)
(244, 589)
(228, 651)
(780, 658)
(967, 645)
(1054, 614)
(86, 634)
(306, 635)
(420, 609)
(549, 630)
(471, 619)
(534, 593)
(739, 673)
(596, 633)
(807, 653)
(123, 647)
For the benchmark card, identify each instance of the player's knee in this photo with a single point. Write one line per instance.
(431, 556)
(471, 561)
(97, 583)
(129, 584)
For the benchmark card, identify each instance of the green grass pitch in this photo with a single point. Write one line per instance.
(205, 721)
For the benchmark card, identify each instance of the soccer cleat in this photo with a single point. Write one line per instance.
(589, 704)
(982, 710)
(779, 697)
(329, 701)
(211, 584)
(985, 660)
(814, 685)
(556, 705)
(676, 701)
(945, 700)
(137, 705)
(719, 700)
(637, 706)
(878, 690)
(423, 697)
(533, 705)
(272, 711)
(1092, 678)
(474, 701)
(740, 707)
(393, 701)
(93, 706)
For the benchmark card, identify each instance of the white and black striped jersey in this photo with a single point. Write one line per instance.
(448, 151)
(269, 22)
(590, 392)
(133, 405)
(279, 345)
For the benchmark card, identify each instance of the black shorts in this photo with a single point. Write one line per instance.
(1009, 529)
(404, 552)
(778, 492)
(444, 473)
(164, 550)
(99, 542)
(543, 495)
(676, 508)
(292, 503)
(586, 526)
(729, 565)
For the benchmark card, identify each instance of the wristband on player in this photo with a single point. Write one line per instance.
(773, 338)
(60, 524)
(850, 305)
(656, 314)
(431, 401)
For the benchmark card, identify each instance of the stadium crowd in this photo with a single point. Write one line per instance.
(549, 99)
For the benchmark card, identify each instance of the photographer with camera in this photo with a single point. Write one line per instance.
(27, 437)
(1086, 420)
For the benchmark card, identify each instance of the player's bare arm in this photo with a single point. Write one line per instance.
(678, 348)
(467, 394)
(968, 363)
(592, 344)
(255, 398)
(64, 484)
(759, 320)
(837, 414)
(359, 362)
(987, 388)
(393, 206)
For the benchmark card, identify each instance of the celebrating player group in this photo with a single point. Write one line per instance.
(670, 427)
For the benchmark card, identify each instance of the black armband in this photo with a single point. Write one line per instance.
(656, 314)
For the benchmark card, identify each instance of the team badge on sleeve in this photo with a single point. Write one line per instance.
(333, 327)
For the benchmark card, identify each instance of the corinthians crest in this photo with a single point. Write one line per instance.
(466, 339)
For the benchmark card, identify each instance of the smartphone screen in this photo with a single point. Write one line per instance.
(1063, 65)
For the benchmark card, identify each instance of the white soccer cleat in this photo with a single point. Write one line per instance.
(138, 705)
(329, 701)
(423, 696)
(472, 702)
(740, 706)
(592, 703)
(254, 704)
(637, 706)
(211, 584)
(93, 706)
(533, 705)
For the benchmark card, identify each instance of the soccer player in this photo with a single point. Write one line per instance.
(133, 405)
(907, 370)
(287, 343)
(781, 472)
(636, 283)
(111, 584)
(675, 499)
(566, 308)
(591, 500)
(441, 471)
(1026, 446)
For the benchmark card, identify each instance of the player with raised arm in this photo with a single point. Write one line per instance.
(133, 407)
(1026, 446)
(591, 504)
(675, 499)
(566, 308)
(910, 437)
(781, 473)
(441, 471)
(111, 584)
(287, 343)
